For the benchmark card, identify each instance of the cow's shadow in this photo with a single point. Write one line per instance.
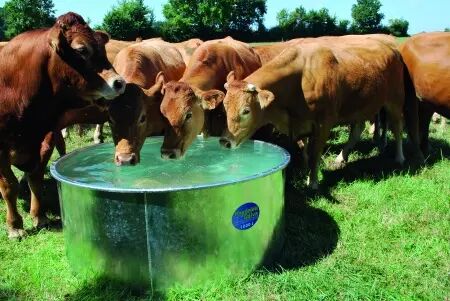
(381, 166)
(310, 234)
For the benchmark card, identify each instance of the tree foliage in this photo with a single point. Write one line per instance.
(313, 23)
(2, 25)
(398, 27)
(23, 15)
(367, 16)
(129, 20)
(212, 18)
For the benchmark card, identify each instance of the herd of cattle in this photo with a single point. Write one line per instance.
(64, 75)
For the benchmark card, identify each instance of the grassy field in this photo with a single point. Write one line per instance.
(374, 232)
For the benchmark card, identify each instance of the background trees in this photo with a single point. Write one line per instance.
(208, 19)
(128, 20)
(398, 27)
(367, 16)
(22, 15)
(313, 23)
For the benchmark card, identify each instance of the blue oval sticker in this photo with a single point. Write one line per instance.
(245, 216)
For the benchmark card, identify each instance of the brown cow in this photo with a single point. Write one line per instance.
(45, 72)
(185, 101)
(136, 114)
(185, 48)
(309, 88)
(427, 58)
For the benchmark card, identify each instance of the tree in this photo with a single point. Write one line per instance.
(208, 19)
(320, 23)
(313, 23)
(23, 15)
(447, 29)
(398, 27)
(367, 16)
(129, 20)
(292, 24)
(343, 27)
(2, 25)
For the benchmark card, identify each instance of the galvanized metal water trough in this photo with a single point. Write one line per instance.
(215, 214)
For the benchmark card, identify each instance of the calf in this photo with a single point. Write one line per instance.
(311, 87)
(44, 73)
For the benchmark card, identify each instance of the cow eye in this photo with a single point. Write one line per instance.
(83, 51)
(188, 115)
(246, 111)
(142, 120)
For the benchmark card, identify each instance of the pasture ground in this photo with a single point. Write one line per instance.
(375, 232)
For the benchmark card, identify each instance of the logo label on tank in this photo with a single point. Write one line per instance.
(245, 216)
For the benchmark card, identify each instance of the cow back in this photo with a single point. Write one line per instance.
(427, 57)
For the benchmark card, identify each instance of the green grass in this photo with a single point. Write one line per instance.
(375, 232)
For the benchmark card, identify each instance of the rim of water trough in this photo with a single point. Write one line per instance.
(286, 157)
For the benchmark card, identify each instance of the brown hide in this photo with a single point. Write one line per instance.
(314, 85)
(113, 47)
(44, 73)
(185, 102)
(2, 44)
(427, 58)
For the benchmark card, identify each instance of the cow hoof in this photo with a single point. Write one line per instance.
(337, 165)
(313, 185)
(41, 222)
(16, 233)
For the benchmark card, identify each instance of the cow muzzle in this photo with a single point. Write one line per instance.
(115, 87)
(170, 153)
(126, 159)
(227, 142)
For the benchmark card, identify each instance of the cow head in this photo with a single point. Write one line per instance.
(134, 116)
(78, 60)
(244, 105)
(183, 106)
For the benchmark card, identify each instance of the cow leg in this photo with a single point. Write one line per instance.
(36, 180)
(98, 134)
(316, 145)
(425, 115)
(9, 187)
(60, 143)
(303, 146)
(65, 133)
(396, 122)
(355, 135)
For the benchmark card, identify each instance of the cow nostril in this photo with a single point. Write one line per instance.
(118, 84)
(172, 156)
(225, 142)
(133, 160)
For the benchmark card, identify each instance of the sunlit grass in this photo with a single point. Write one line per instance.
(376, 232)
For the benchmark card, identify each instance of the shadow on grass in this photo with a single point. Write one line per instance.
(310, 234)
(109, 289)
(50, 198)
(381, 166)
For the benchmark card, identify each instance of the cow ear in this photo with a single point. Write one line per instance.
(102, 36)
(231, 77)
(211, 99)
(57, 40)
(160, 82)
(157, 88)
(265, 98)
